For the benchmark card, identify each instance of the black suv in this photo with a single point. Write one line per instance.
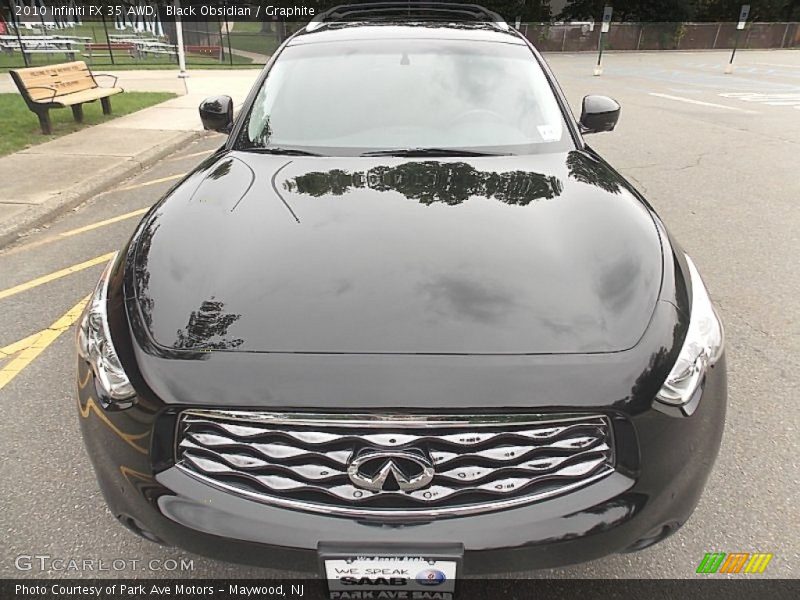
(404, 321)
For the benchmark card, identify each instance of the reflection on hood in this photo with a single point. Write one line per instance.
(208, 328)
(430, 182)
(590, 171)
(395, 256)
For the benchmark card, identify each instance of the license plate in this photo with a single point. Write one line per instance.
(414, 575)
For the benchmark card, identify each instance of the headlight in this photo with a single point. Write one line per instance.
(701, 349)
(94, 343)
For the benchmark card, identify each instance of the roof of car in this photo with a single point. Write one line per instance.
(372, 30)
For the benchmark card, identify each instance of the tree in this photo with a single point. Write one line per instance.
(760, 10)
(681, 10)
(631, 10)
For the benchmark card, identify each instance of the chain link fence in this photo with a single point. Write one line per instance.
(148, 42)
(31, 36)
(579, 37)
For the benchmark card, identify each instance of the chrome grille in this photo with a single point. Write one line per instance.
(479, 463)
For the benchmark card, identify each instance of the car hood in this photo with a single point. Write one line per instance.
(544, 254)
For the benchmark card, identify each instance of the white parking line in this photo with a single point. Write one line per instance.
(772, 99)
(701, 103)
(778, 65)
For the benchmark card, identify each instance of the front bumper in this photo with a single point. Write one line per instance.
(626, 510)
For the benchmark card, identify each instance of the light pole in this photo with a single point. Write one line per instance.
(179, 39)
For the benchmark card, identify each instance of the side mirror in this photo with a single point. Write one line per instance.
(216, 113)
(599, 113)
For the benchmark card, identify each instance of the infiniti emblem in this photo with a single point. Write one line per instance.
(370, 469)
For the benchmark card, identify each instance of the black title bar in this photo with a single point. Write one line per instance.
(526, 11)
(700, 588)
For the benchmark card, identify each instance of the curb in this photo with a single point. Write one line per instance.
(71, 197)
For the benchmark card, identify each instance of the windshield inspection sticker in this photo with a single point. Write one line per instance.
(548, 133)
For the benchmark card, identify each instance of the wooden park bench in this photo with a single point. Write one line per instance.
(58, 86)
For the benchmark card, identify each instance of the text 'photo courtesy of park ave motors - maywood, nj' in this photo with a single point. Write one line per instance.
(159, 589)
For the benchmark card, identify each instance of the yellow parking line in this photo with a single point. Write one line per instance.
(146, 183)
(17, 346)
(85, 228)
(174, 158)
(71, 232)
(38, 345)
(98, 224)
(22, 287)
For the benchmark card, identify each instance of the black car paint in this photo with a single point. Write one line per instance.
(478, 256)
(659, 480)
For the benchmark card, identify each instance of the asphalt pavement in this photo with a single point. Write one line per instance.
(716, 155)
(72, 168)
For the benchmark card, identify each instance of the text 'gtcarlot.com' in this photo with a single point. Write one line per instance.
(45, 562)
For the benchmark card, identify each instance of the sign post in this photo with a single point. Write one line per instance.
(607, 12)
(743, 14)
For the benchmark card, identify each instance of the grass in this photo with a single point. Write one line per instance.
(20, 126)
(247, 35)
(260, 43)
(247, 27)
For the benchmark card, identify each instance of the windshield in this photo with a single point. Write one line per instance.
(356, 97)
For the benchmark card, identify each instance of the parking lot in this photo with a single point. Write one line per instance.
(717, 155)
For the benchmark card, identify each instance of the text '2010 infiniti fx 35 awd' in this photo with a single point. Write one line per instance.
(404, 312)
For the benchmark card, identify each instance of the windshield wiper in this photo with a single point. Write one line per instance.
(283, 151)
(430, 152)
